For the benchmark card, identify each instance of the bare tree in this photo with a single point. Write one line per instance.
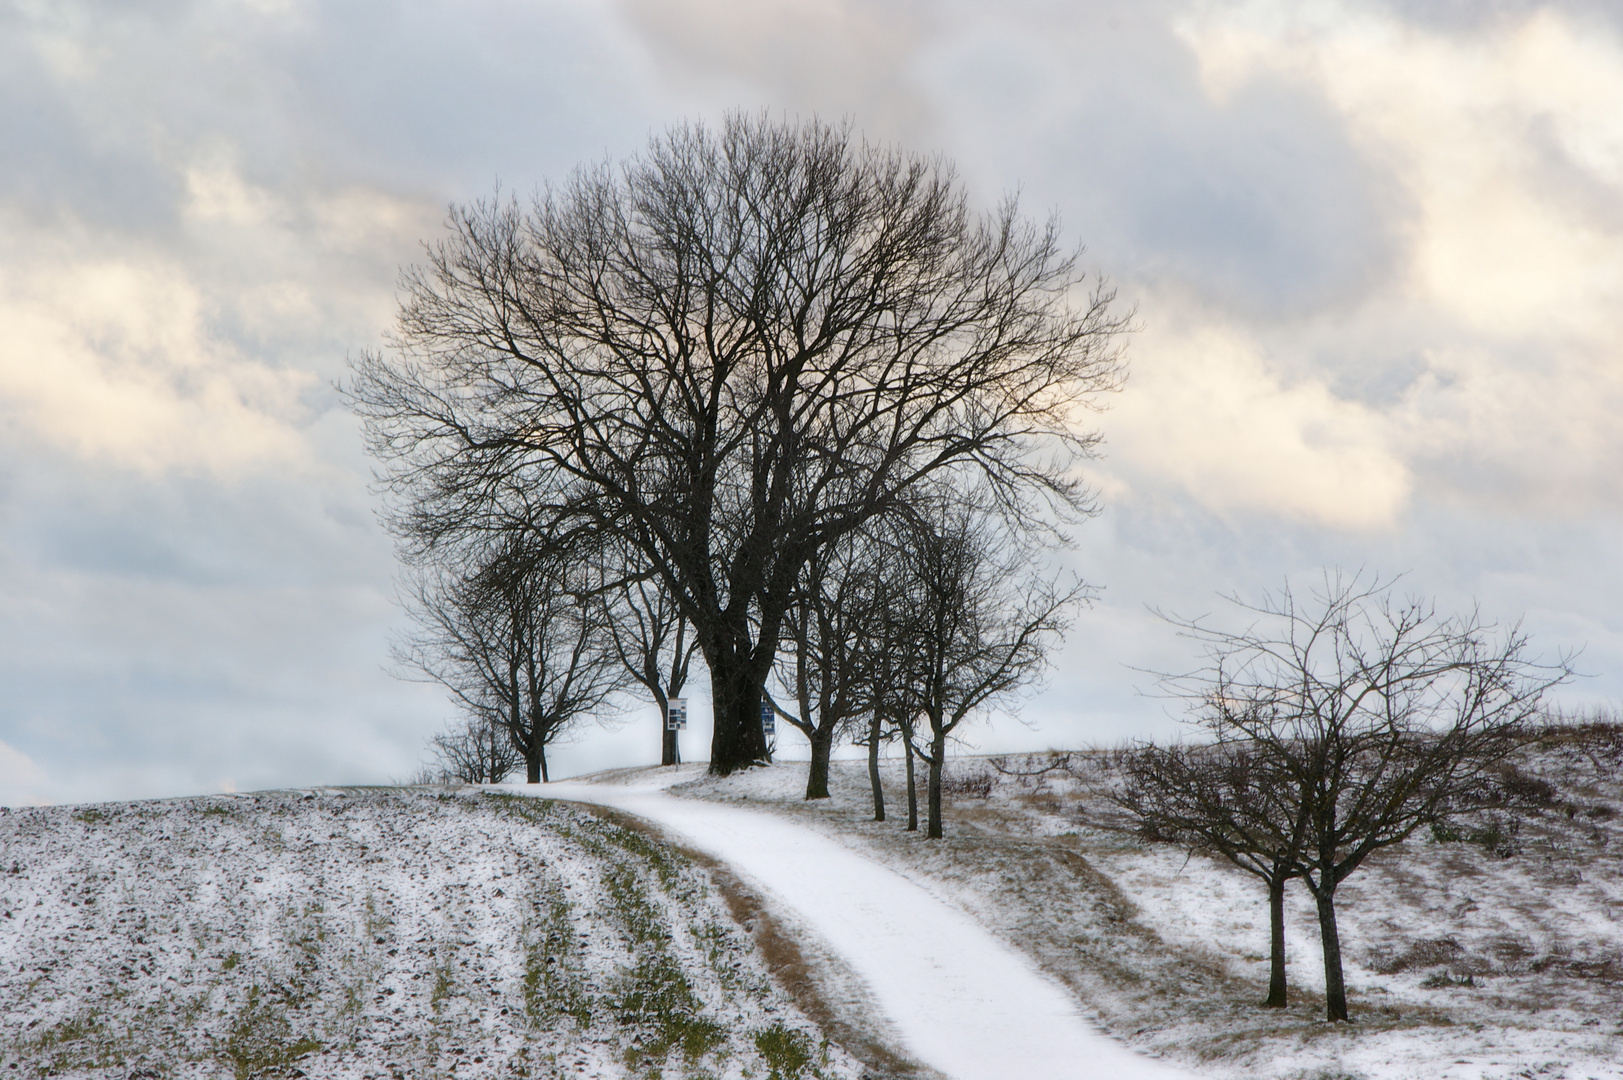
(478, 751)
(654, 641)
(832, 647)
(732, 351)
(517, 635)
(1228, 799)
(979, 624)
(1375, 713)
(890, 698)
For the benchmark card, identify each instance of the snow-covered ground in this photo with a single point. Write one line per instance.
(1498, 954)
(961, 1001)
(376, 934)
(407, 933)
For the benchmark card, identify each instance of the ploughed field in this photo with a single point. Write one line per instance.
(376, 933)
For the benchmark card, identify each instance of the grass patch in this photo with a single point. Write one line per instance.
(81, 1042)
(262, 1041)
(552, 985)
(788, 1053)
(655, 996)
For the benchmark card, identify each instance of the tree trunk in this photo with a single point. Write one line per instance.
(938, 753)
(822, 744)
(1335, 987)
(873, 769)
(537, 759)
(532, 767)
(1276, 943)
(669, 752)
(912, 788)
(738, 740)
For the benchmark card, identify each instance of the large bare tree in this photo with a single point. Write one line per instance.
(730, 351)
(1374, 713)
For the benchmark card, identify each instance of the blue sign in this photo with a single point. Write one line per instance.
(769, 720)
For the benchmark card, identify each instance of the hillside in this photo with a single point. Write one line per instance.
(1493, 948)
(377, 934)
(418, 933)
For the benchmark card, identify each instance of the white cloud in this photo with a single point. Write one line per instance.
(22, 782)
(1479, 129)
(112, 360)
(198, 352)
(1204, 411)
(1508, 146)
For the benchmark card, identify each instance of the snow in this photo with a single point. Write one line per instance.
(962, 1001)
(389, 933)
(1167, 950)
(369, 934)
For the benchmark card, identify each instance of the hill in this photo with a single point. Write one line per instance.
(1489, 947)
(373, 934)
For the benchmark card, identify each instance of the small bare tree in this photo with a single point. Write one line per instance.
(831, 647)
(1374, 713)
(653, 639)
(979, 624)
(1229, 799)
(516, 633)
(477, 751)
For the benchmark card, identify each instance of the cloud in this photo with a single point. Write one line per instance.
(1374, 248)
(1507, 149)
(830, 57)
(1489, 132)
(1205, 412)
(22, 782)
(112, 360)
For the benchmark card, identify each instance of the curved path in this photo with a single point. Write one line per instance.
(964, 1002)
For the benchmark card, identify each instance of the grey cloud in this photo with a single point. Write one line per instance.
(835, 58)
(1259, 202)
(165, 636)
(1467, 15)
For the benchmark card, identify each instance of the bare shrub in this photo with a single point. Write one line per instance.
(971, 786)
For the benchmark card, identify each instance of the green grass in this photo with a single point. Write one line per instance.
(788, 1053)
(262, 1039)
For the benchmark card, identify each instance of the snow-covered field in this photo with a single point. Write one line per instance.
(377, 933)
(1498, 954)
(415, 933)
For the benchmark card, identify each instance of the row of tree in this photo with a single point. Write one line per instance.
(685, 402)
(905, 629)
(778, 397)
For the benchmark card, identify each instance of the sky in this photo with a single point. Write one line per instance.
(1375, 252)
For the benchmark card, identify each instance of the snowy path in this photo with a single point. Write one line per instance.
(963, 1002)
